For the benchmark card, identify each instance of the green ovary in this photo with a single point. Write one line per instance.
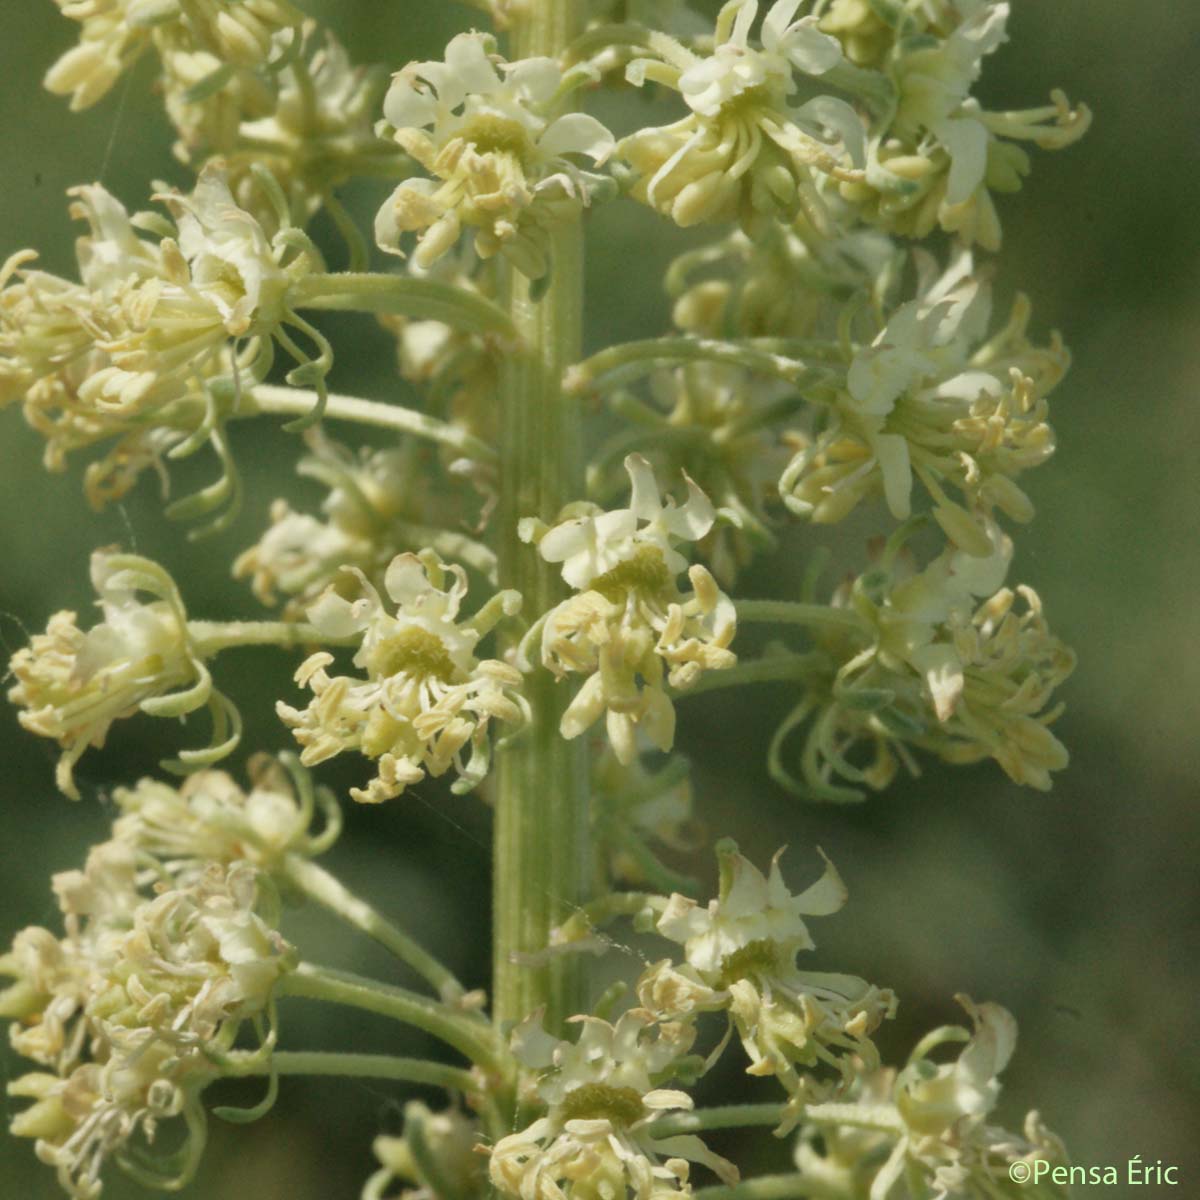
(596, 1101)
(755, 958)
(416, 652)
(643, 574)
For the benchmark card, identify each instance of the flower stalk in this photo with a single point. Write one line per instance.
(541, 838)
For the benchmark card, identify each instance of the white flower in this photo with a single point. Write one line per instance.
(933, 400)
(946, 661)
(933, 1115)
(942, 154)
(632, 625)
(601, 1103)
(209, 819)
(482, 128)
(745, 942)
(426, 696)
(935, 83)
(743, 147)
(599, 543)
(72, 685)
(735, 67)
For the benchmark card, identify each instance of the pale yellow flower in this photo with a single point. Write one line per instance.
(630, 629)
(743, 148)
(745, 943)
(602, 1100)
(72, 685)
(500, 161)
(935, 401)
(426, 697)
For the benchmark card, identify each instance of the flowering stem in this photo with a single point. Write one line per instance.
(775, 1187)
(403, 295)
(365, 1066)
(317, 884)
(470, 1037)
(784, 612)
(287, 401)
(542, 856)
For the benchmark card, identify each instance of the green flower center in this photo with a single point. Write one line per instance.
(643, 574)
(492, 134)
(755, 958)
(414, 651)
(595, 1101)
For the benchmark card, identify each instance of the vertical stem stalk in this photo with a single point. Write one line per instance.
(541, 849)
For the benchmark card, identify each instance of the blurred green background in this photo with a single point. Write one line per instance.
(1078, 910)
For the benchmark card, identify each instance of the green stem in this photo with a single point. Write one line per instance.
(542, 855)
(466, 1035)
(784, 612)
(402, 295)
(267, 399)
(726, 1116)
(365, 1066)
(211, 637)
(881, 1118)
(623, 364)
(774, 1187)
(773, 669)
(317, 884)
(604, 909)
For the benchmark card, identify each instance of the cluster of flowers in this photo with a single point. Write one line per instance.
(864, 1131)
(170, 948)
(910, 151)
(251, 81)
(603, 1095)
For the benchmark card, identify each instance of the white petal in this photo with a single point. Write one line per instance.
(891, 451)
(943, 672)
(537, 78)
(645, 502)
(966, 141)
(406, 107)
(577, 133)
(337, 617)
(810, 50)
(743, 22)
(406, 581)
(565, 540)
(776, 22)
(691, 522)
(832, 113)
(824, 897)
(468, 64)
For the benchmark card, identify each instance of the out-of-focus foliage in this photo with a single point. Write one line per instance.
(1076, 910)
